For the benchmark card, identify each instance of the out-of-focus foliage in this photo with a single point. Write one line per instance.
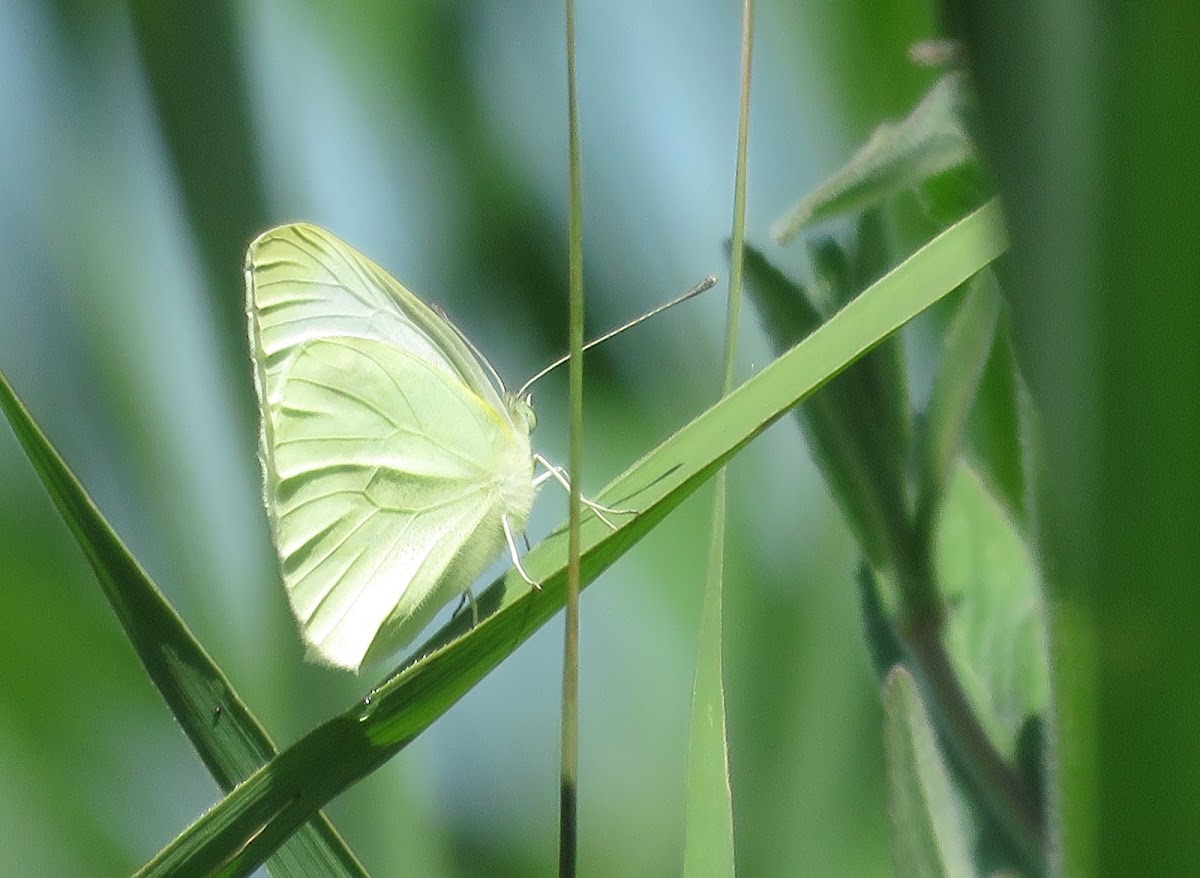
(138, 149)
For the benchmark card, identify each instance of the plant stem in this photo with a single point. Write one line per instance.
(568, 789)
(1002, 789)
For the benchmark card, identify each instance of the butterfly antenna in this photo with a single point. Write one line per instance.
(706, 284)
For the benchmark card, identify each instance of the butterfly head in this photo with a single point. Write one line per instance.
(521, 410)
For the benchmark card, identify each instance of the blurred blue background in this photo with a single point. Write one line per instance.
(141, 148)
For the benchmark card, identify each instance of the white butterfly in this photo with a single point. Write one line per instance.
(395, 466)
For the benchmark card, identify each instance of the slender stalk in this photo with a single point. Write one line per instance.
(738, 233)
(568, 813)
(1007, 796)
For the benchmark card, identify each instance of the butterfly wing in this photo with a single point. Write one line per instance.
(385, 481)
(388, 454)
(302, 283)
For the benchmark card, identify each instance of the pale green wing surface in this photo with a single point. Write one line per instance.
(385, 479)
(302, 283)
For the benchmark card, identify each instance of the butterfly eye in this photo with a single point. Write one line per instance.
(522, 410)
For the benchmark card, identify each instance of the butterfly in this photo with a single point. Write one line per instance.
(395, 465)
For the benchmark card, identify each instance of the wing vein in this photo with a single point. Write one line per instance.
(350, 396)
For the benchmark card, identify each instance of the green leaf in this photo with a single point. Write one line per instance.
(965, 352)
(787, 311)
(994, 843)
(833, 275)
(228, 738)
(858, 446)
(883, 645)
(995, 429)
(929, 837)
(931, 140)
(253, 820)
(994, 630)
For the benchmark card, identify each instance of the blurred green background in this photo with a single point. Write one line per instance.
(141, 147)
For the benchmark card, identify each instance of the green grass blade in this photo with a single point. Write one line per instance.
(243, 829)
(708, 823)
(708, 820)
(228, 738)
(568, 797)
(929, 839)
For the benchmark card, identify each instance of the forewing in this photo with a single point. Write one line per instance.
(302, 283)
(379, 479)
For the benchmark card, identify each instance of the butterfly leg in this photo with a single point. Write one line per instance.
(468, 597)
(512, 549)
(559, 475)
